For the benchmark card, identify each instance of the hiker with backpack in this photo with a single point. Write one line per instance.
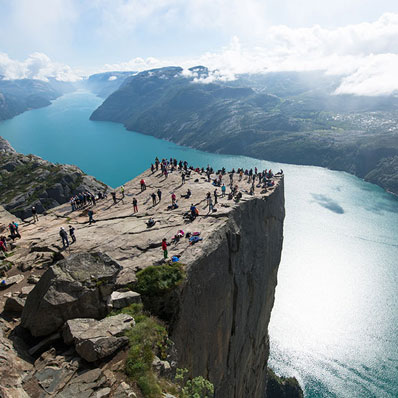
(72, 233)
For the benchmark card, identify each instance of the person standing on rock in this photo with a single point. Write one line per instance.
(64, 237)
(72, 233)
(173, 198)
(90, 214)
(215, 196)
(210, 202)
(135, 205)
(159, 195)
(114, 197)
(153, 196)
(183, 178)
(122, 191)
(34, 214)
(164, 248)
(143, 185)
(223, 189)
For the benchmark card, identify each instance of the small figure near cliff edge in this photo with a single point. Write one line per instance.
(164, 248)
(34, 214)
(64, 237)
(135, 205)
(72, 233)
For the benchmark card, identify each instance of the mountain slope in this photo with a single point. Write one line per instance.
(287, 117)
(17, 96)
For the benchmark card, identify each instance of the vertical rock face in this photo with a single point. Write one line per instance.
(222, 328)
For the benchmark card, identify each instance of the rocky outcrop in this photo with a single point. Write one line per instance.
(96, 340)
(76, 287)
(28, 180)
(120, 300)
(218, 314)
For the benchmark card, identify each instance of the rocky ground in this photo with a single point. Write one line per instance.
(27, 180)
(43, 366)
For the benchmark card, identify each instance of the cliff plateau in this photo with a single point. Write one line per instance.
(219, 313)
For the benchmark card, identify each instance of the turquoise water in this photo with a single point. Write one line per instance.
(335, 321)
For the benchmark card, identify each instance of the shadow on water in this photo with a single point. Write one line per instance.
(327, 203)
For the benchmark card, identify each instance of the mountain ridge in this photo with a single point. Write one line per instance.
(277, 118)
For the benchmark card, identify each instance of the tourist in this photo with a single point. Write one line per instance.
(90, 217)
(173, 198)
(183, 178)
(34, 214)
(3, 248)
(72, 233)
(215, 197)
(164, 248)
(64, 237)
(113, 193)
(210, 202)
(135, 205)
(223, 189)
(122, 191)
(143, 185)
(159, 195)
(153, 195)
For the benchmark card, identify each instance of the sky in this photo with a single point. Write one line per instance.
(68, 39)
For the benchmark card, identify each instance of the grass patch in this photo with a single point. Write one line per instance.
(159, 280)
(146, 339)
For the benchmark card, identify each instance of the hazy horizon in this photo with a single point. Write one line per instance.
(68, 39)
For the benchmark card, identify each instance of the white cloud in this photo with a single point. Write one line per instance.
(36, 66)
(365, 54)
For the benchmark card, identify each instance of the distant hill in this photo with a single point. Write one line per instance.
(104, 84)
(290, 117)
(17, 96)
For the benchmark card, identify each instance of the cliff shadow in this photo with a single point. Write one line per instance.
(327, 203)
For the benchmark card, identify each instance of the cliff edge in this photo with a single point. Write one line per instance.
(217, 317)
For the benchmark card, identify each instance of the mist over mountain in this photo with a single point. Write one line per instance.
(104, 84)
(291, 117)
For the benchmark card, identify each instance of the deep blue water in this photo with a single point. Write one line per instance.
(335, 321)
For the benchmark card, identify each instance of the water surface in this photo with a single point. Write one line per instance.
(335, 321)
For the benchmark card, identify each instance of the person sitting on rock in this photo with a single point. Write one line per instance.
(150, 223)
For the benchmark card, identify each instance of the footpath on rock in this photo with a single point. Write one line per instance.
(56, 337)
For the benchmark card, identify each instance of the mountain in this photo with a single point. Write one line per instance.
(104, 84)
(289, 117)
(18, 96)
(28, 180)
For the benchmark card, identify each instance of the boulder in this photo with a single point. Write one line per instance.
(7, 282)
(76, 287)
(25, 291)
(97, 339)
(14, 304)
(119, 300)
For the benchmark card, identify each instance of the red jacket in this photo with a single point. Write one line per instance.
(164, 245)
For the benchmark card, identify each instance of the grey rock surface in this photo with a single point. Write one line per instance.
(96, 340)
(78, 286)
(119, 300)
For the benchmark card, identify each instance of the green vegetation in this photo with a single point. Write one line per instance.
(198, 387)
(159, 280)
(146, 339)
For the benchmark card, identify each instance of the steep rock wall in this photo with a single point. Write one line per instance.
(225, 306)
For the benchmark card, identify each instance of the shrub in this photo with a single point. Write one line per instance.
(198, 387)
(159, 280)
